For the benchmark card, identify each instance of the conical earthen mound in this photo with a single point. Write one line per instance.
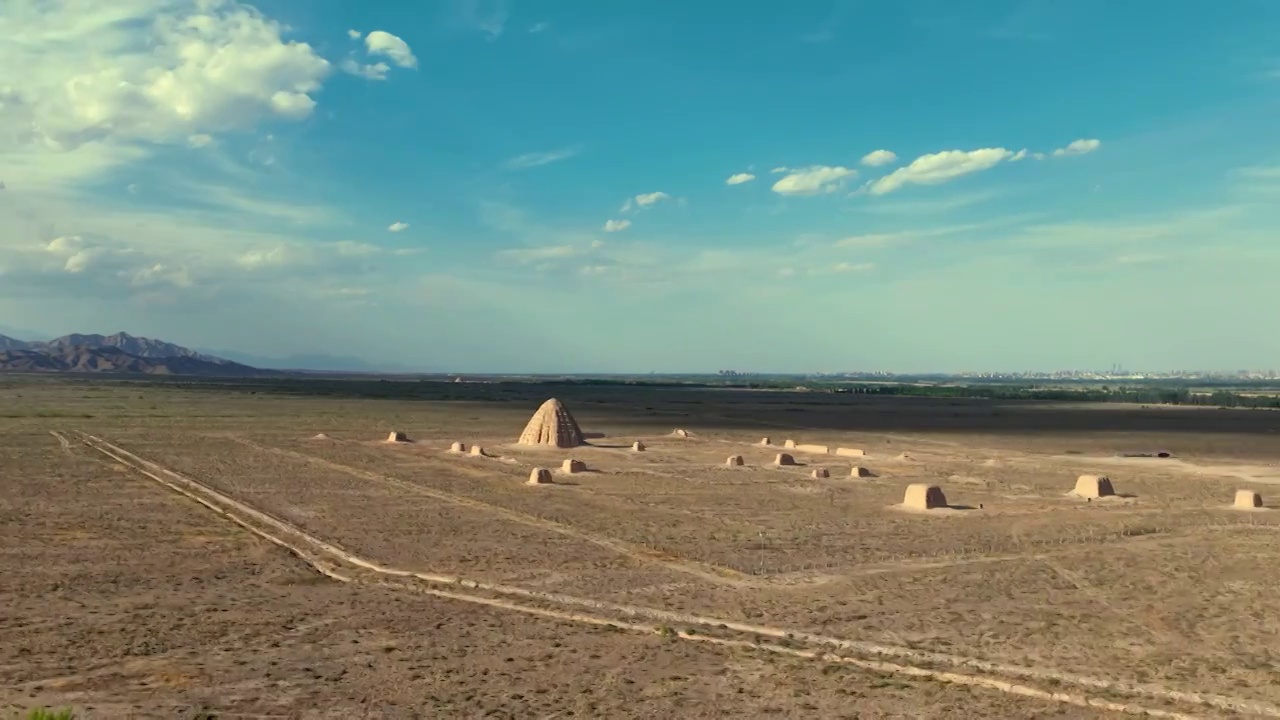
(552, 425)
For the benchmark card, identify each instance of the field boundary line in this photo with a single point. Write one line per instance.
(212, 499)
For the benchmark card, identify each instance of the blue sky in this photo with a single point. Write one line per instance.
(507, 186)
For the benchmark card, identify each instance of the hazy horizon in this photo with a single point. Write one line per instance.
(478, 186)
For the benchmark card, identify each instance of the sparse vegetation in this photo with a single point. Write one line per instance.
(49, 714)
(1035, 578)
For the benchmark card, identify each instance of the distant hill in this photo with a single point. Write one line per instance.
(118, 353)
(8, 343)
(139, 346)
(84, 359)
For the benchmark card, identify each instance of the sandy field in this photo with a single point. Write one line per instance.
(192, 550)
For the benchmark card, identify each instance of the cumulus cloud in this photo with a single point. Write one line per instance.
(813, 180)
(616, 225)
(199, 140)
(876, 158)
(398, 226)
(739, 178)
(1078, 147)
(393, 48)
(368, 71)
(939, 168)
(643, 200)
(95, 263)
(379, 43)
(355, 34)
(150, 70)
(647, 199)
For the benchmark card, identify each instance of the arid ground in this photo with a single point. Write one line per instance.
(192, 550)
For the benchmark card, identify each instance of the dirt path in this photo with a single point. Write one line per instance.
(327, 559)
(1261, 474)
(62, 439)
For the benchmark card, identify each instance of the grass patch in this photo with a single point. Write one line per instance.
(47, 714)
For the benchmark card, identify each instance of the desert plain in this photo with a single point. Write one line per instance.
(193, 549)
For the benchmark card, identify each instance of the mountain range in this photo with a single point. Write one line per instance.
(118, 353)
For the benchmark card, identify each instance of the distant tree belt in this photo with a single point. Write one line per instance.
(1138, 395)
(1256, 394)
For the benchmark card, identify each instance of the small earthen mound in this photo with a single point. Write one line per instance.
(921, 496)
(784, 459)
(1093, 486)
(571, 466)
(638, 446)
(1247, 500)
(539, 476)
(395, 436)
(788, 443)
(820, 473)
(903, 456)
(766, 441)
(320, 436)
(859, 472)
(681, 433)
(734, 461)
(477, 451)
(458, 447)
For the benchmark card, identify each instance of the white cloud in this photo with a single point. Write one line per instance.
(876, 158)
(1078, 147)
(1260, 172)
(643, 200)
(161, 274)
(150, 70)
(398, 226)
(939, 168)
(379, 43)
(616, 225)
(393, 48)
(537, 159)
(739, 178)
(538, 254)
(473, 15)
(780, 169)
(844, 267)
(369, 71)
(536, 28)
(647, 199)
(813, 180)
(1024, 153)
(199, 140)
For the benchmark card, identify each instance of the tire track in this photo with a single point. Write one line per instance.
(859, 650)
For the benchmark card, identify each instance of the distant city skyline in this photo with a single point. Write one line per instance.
(672, 186)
